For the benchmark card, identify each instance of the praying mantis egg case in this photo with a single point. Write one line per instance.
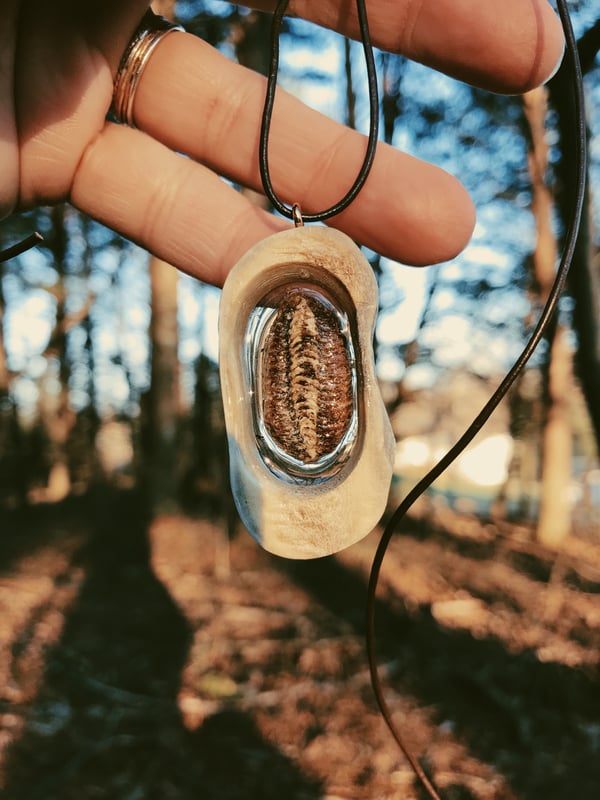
(306, 385)
(310, 445)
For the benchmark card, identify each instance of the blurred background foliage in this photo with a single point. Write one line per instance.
(108, 364)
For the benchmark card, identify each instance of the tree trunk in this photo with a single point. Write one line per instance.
(162, 402)
(55, 409)
(350, 93)
(555, 506)
(554, 514)
(584, 275)
(6, 410)
(544, 256)
(4, 381)
(163, 399)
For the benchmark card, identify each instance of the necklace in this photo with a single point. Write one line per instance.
(21, 247)
(310, 444)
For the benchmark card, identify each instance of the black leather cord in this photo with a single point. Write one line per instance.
(21, 247)
(572, 58)
(287, 210)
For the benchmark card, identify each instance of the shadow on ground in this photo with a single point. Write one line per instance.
(106, 723)
(537, 723)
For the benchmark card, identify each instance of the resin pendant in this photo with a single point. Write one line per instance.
(310, 445)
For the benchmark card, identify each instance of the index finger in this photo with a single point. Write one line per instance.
(504, 47)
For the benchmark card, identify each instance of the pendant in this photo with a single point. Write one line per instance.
(310, 444)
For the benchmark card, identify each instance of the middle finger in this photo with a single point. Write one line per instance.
(197, 102)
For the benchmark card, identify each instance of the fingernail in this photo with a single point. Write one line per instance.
(558, 64)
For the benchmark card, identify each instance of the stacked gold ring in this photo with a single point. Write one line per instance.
(148, 34)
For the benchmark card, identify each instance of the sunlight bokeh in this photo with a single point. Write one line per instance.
(486, 462)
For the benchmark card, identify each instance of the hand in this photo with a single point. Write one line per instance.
(58, 62)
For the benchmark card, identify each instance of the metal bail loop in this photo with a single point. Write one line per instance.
(297, 215)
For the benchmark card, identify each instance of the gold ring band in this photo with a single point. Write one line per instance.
(148, 34)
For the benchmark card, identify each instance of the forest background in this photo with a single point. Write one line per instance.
(109, 388)
(98, 341)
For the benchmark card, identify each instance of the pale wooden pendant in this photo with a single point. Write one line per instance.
(310, 444)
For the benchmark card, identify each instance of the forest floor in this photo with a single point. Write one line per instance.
(154, 659)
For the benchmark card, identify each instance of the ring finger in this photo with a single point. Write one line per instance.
(195, 101)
